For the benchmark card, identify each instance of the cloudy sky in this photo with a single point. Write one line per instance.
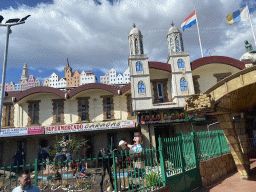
(93, 34)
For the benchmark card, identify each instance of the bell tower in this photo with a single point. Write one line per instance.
(139, 72)
(182, 81)
(66, 69)
(24, 75)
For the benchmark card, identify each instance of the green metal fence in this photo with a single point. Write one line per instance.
(211, 144)
(175, 159)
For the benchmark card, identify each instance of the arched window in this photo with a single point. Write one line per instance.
(172, 45)
(131, 47)
(180, 63)
(177, 44)
(136, 46)
(139, 66)
(183, 84)
(141, 47)
(141, 87)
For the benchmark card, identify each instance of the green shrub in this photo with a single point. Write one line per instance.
(153, 179)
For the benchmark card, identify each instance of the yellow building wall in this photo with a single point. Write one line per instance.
(96, 106)
(206, 72)
(45, 109)
(70, 108)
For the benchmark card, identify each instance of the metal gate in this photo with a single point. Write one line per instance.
(180, 163)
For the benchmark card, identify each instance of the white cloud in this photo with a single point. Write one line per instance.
(60, 68)
(95, 37)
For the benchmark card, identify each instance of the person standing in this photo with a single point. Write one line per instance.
(18, 157)
(25, 184)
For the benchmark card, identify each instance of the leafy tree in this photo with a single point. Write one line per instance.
(75, 145)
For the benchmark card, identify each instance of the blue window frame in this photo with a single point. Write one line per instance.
(83, 112)
(183, 84)
(141, 87)
(181, 63)
(177, 44)
(136, 47)
(139, 66)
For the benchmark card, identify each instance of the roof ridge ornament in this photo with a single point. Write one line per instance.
(172, 24)
(134, 25)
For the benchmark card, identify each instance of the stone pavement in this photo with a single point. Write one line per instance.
(233, 182)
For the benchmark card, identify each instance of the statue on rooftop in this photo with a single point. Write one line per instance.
(248, 47)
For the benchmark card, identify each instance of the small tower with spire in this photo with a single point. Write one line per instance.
(136, 43)
(139, 72)
(24, 76)
(67, 70)
(174, 39)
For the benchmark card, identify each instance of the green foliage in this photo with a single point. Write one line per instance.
(153, 179)
(74, 146)
(82, 184)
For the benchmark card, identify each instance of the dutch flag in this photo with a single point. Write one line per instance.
(189, 21)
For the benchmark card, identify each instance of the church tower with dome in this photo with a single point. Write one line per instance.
(182, 81)
(139, 72)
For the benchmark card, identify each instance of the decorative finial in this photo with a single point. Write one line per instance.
(134, 25)
(172, 24)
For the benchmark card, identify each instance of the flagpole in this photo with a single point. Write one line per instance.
(199, 36)
(251, 24)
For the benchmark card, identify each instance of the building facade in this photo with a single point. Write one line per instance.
(93, 111)
(26, 81)
(159, 90)
(152, 103)
(87, 77)
(111, 77)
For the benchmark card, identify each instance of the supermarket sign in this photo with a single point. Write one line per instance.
(89, 126)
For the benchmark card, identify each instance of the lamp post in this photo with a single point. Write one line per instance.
(8, 25)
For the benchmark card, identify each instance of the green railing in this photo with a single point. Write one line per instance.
(130, 171)
(211, 144)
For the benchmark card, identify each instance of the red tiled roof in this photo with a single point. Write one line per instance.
(88, 86)
(125, 88)
(217, 59)
(160, 65)
(22, 94)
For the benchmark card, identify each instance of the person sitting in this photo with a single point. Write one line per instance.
(25, 184)
(79, 167)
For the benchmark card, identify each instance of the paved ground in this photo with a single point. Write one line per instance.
(233, 183)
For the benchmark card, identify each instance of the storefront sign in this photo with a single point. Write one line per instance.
(162, 117)
(128, 124)
(13, 132)
(35, 130)
(195, 117)
(89, 127)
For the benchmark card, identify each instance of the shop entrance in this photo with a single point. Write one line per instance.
(164, 131)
